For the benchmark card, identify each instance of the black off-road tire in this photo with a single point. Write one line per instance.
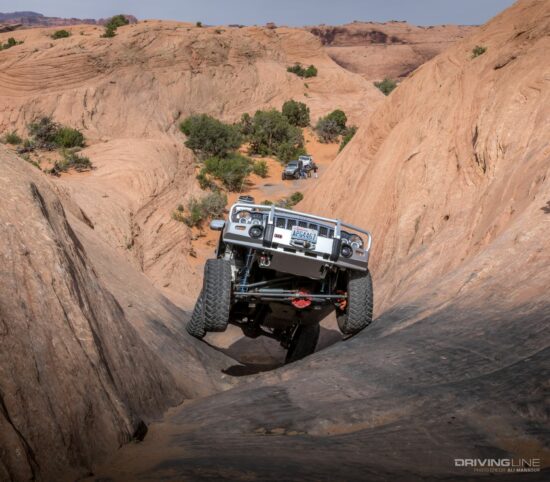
(216, 294)
(195, 326)
(358, 313)
(303, 342)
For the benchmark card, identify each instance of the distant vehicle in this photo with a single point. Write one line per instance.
(246, 199)
(278, 273)
(307, 162)
(292, 170)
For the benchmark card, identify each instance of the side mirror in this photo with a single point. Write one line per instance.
(217, 224)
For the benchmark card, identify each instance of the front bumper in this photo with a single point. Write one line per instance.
(288, 257)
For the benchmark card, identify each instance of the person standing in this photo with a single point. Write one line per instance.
(315, 171)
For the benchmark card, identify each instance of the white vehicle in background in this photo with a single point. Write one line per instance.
(307, 162)
(278, 273)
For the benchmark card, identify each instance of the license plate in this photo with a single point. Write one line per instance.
(303, 234)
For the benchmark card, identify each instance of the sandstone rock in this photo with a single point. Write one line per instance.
(76, 380)
(391, 49)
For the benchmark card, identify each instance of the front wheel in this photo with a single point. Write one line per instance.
(303, 342)
(217, 294)
(195, 325)
(357, 314)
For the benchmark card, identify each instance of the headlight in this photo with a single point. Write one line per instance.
(356, 241)
(257, 218)
(242, 217)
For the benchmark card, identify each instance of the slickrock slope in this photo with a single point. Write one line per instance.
(451, 173)
(452, 176)
(75, 378)
(129, 93)
(393, 49)
(79, 372)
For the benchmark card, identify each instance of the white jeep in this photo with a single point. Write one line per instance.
(307, 162)
(278, 273)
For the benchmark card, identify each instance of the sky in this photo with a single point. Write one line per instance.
(282, 12)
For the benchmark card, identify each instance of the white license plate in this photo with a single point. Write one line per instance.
(303, 234)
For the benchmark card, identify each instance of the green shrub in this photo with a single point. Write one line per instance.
(117, 21)
(198, 210)
(339, 117)
(386, 86)
(330, 127)
(295, 198)
(61, 34)
(213, 205)
(12, 138)
(311, 71)
(194, 216)
(348, 135)
(67, 137)
(478, 50)
(48, 134)
(246, 124)
(260, 168)
(71, 160)
(288, 151)
(327, 130)
(297, 69)
(109, 32)
(209, 137)
(204, 181)
(198, 24)
(297, 113)
(11, 42)
(112, 25)
(231, 170)
(272, 134)
(28, 145)
(290, 201)
(44, 131)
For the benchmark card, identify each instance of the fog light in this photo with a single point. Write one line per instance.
(346, 251)
(255, 231)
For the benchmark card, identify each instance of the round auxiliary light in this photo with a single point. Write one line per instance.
(356, 241)
(255, 231)
(243, 216)
(346, 251)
